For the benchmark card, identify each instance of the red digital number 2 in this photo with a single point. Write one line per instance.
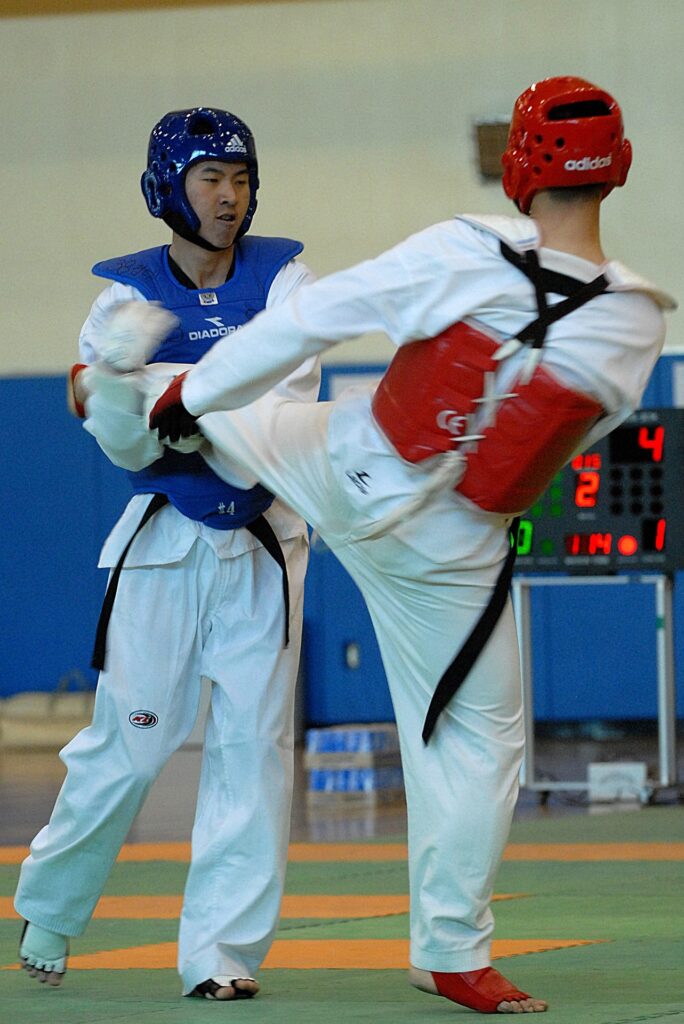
(586, 489)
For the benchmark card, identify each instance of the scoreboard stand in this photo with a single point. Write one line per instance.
(614, 516)
(667, 744)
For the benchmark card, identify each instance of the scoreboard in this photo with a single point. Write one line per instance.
(617, 506)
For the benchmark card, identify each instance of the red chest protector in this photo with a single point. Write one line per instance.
(431, 388)
(426, 399)
(531, 439)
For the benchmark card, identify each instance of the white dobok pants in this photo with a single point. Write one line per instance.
(461, 788)
(204, 616)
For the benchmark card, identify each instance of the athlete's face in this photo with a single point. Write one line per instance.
(219, 194)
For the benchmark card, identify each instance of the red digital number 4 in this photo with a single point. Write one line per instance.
(653, 444)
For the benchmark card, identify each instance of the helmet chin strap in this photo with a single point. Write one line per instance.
(178, 224)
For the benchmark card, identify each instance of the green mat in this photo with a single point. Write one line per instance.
(633, 912)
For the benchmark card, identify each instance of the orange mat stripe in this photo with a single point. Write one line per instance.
(305, 954)
(344, 906)
(325, 852)
(298, 852)
(382, 954)
(301, 852)
(168, 908)
(595, 851)
(155, 851)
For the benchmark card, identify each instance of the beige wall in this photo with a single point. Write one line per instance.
(362, 111)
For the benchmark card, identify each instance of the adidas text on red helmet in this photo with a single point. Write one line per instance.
(565, 132)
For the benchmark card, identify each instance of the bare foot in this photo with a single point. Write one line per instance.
(52, 978)
(484, 990)
(43, 954)
(224, 988)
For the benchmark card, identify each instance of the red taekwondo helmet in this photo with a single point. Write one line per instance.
(564, 132)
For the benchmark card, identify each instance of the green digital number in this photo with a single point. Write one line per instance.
(525, 531)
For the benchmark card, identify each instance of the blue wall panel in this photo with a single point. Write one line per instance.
(661, 391)
(345, 680)
(594, 652)
(593, 647)
(60, 496)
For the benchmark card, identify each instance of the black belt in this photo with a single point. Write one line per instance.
(263, 531)
(459, 668)
(577, 294)
(259, 528)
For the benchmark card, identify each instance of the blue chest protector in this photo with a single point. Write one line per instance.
(205, 315)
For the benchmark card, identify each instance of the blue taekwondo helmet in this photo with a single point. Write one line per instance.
(182, 138)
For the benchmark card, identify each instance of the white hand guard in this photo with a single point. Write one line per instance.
(106, 388)
(118, 407)
(132, 334)
(114, 405)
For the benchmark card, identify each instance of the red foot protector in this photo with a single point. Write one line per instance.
(481, 990)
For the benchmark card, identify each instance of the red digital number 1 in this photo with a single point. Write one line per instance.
(653, 444)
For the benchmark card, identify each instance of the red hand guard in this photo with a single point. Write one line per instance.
(172, 396)
(77, 407)
(169, 417)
